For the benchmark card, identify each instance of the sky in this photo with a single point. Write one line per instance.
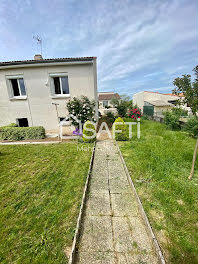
(141, 45)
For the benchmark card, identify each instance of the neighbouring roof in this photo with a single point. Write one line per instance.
(165, 94)
(8, 63)
(159, 103)
(108, 96)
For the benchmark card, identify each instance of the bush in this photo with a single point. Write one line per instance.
(124, 135)
(88, 124)
(12, 125)
(179, 111)
(82, 109)
(192, 126)
(172, 120)
(134, 113)
(110, 116)
(21, 133)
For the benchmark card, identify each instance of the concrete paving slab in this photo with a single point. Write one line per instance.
(118, 185)
(124, 204)
(96, 258)
(97, 234)
(100, 173)
(98, 204)
(99, 185)
(123, 239)
(126, 258)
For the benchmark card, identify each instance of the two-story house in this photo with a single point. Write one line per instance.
(35, 92)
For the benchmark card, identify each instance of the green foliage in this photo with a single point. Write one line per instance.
(122, 105)
(189, 89)
(89, 125)
(124, 135)
(81, 109)
(110, 116)
(192, 126)
(21, 133)
(172, 120)
(179, 111)
(12, 125)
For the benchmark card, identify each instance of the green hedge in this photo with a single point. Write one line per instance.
(88, 125)
(21, 133)
(124, 135)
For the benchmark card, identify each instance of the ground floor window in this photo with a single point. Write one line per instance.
(22, 122)
(105, 103)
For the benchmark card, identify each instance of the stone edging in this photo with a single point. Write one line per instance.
(143, 214)
(77, 232)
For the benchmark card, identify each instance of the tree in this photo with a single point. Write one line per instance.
(189, 90)
(122, 105)
(81, 109)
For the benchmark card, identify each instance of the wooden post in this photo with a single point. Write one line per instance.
(194, 160)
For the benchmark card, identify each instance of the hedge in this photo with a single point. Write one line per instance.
(124, 134)
(21, 133)
(88, 124)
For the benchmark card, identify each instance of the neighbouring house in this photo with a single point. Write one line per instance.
(104, 100)
(154, 103)
(35, 92)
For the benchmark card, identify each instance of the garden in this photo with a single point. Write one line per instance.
(41, 188)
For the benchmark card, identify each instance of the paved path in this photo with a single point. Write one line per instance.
(113, 231)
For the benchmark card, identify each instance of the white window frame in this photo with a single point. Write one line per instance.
(10, 87)
(105, 101)
(59, 75)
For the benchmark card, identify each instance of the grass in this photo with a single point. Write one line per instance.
(159, 164)
(41, 188)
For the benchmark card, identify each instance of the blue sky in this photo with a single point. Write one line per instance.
(140, 45)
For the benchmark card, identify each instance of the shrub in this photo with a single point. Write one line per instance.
(110, 116)
(124, 135)
(81, 109)
(172, 120)
(21, 133)
(179, 111)
(134, 113)
(12, 125)
(192, 126)
(89, 125)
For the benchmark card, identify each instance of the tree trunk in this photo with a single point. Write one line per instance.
(193, 162)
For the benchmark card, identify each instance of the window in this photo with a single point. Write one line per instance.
(18, 87)
(22, 122)
(61, 85)
(105, 103)
(63, 118)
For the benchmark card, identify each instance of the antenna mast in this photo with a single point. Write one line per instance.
(39, 41)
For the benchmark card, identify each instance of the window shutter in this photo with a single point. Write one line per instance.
(52, 89)
(9, 88)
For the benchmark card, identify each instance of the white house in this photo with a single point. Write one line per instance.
(35, 92)
(105, 105)
(157, 101)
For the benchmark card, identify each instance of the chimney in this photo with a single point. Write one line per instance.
(38, 57)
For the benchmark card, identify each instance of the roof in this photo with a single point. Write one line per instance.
(108, 96)
(165, 94)
(159, 103)
(8, 63)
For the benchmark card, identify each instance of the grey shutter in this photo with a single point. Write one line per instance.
(9, 88)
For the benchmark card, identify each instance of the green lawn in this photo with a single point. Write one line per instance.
(41, 188)
(160, 163)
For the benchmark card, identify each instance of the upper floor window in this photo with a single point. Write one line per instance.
(61, 85)
(18, 87)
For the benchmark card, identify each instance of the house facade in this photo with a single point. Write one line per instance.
(104, 100)
(35, 92)
(158, 101)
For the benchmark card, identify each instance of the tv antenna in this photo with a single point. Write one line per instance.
(39, 41)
